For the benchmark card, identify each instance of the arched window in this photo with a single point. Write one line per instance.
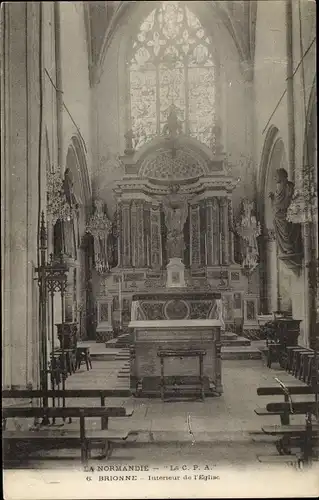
(171, 63)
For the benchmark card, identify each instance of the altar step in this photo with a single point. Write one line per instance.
(240, 352)
(120, 342)
(234, 340)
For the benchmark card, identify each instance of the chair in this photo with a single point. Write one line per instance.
(83, 354)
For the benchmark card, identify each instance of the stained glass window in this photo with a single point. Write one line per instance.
(171, 63)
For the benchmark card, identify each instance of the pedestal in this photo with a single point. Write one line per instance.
(175, 273)
(104, 329)
(176, 321)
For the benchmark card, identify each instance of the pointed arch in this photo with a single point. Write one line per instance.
(76, 161)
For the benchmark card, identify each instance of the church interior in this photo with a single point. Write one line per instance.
(159, 230)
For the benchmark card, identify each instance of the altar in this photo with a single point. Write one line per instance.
(176, 344)
(174, 225)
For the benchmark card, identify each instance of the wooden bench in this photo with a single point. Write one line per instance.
(70, 438)
(101, 394)
(284, 414)
(296, 360)
(300, 438)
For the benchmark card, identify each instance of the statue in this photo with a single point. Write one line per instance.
(175, 208)
(288, 235)
(248, 229)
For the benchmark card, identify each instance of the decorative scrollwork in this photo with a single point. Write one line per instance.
(58, 206)
(248, 228)
(99, 227)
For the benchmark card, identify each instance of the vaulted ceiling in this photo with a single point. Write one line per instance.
(239, 17)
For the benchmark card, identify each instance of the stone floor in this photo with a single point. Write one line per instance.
(218, 430)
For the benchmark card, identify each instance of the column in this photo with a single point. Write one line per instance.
(147, 233)
(231, 251)
(209, 232)
(126, 234)
(215, 232)
(119, 226)
(195, 235)
(140, 243)
(224, 236)
(134, 235)
(19, 175)
(272, 271)
(156, 240)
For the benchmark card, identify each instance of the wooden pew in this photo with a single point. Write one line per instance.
(101, 394)
(282, 412)
(69, 437)
(304, 439)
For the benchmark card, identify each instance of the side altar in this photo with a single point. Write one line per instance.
(176, 345)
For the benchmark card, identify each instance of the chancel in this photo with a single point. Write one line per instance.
(159, 228)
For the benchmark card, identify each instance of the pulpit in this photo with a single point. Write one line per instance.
(182, 326)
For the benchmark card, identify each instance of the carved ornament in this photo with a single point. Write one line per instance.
(303, 207)
(58, 206)
(248, 228)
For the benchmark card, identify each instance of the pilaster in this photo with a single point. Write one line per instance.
(272, 270)
(195, 235)
(156, 240)
(209, 238)
(215, 232)
(224, 231)
(126, 234)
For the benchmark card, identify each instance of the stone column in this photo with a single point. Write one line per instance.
(272, 271)
(126, 234)
(195, 235)
(224, 231)
(215, 232)
(119, 225)
(140, 234)
(134, 234)
(156, 240)
(209, 232)
(231, 251)
(147, 233)
(20, 168)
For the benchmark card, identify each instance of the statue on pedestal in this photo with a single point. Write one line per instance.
(288, 235)
(175, 208)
